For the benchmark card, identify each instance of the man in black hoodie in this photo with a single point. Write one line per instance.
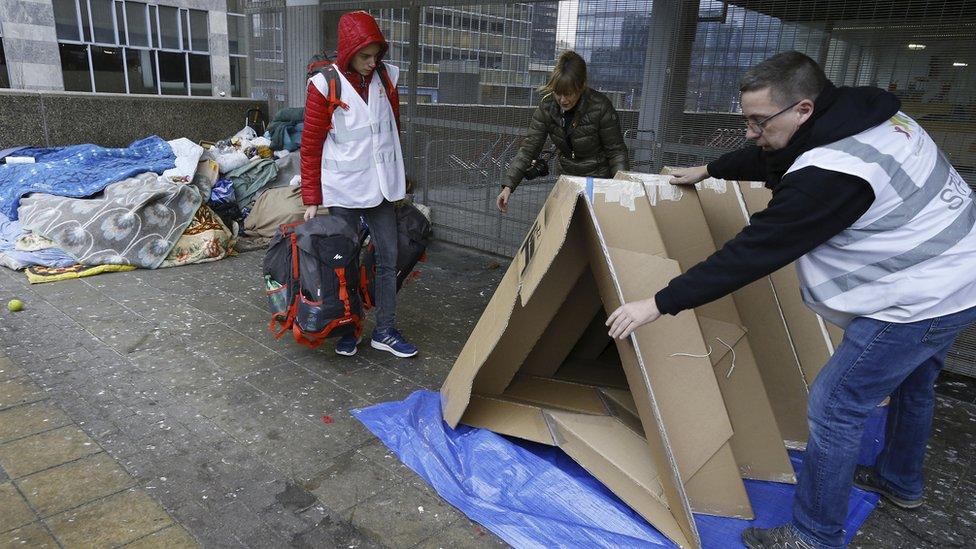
(882, 231)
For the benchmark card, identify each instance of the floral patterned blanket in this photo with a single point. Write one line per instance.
(136, 221)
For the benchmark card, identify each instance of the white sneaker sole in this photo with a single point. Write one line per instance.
(384, 347)
(354, 349)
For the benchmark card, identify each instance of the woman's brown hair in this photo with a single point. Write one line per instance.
(568, 77)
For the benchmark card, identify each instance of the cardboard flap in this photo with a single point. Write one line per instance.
(456, 390)
(593, 372)
(721, 336)
(673, 353)
(622, 406)
(545, 238)
(621, 460)
(507, 417)
(553, 393)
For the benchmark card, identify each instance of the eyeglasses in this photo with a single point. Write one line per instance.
(758, 127)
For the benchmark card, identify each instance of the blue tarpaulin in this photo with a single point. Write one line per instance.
(532, 495)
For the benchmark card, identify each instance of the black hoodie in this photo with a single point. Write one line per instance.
(809, 206)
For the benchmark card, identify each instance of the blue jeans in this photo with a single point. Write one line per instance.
(382, 221)
(876, 359)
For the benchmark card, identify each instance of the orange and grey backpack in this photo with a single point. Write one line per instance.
(323, 64)
(311, 274)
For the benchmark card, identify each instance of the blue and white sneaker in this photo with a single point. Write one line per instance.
(391, 341)
(347, 345)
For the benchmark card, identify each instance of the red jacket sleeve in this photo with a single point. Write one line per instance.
(318, 122)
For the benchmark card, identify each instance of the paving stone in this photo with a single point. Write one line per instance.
(351, 479)
(463, 533)
(48, 449)
(28, 419)
(112, 521)
(9, 370)
(34, 536)
(399, 517)
(370, 382)
(14, 511)
(73, 484)
(172, 537)
(17, 391)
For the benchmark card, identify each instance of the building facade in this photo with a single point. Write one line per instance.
(169, 47)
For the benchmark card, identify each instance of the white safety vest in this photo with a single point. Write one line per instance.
(362, 163)
(912, 255)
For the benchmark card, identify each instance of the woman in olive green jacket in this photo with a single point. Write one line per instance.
(582, 124)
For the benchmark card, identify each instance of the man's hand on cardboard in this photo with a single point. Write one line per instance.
(630, 316)
(689, 176)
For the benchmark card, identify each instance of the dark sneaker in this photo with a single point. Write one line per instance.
(347, 345)
(391, 341)
(783, 537)
(865, 479)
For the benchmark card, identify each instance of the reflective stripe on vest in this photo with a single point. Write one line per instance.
(947, 238)
(902, 260)
(345, 135)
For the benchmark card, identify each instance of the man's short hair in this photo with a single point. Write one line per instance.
(790, 76)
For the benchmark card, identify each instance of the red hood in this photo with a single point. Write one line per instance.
(357, 30)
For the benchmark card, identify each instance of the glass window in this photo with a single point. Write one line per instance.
(199, 31)
(85, 21)
(185, 29)
(238, 76)
(103, 21)
(172, 73)
(169, 28)
(141, 65)
(74, 67)
(136, 20)
(120, 21)
(66, 19)
(154, 27)
(200, 75)
(236, 32)
(107, 68)
(4, 78)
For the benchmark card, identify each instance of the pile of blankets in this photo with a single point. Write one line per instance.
(66, 210)
(74, 211)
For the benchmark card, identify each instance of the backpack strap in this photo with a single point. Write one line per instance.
(391, 91)
(331, 74)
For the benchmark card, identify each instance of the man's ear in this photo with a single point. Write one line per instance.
(805, 108)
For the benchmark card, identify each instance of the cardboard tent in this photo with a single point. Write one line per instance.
(790, 341)
(652, 417)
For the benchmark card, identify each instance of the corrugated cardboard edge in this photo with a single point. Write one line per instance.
(686, 520)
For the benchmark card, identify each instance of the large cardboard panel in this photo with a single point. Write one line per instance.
(696, 428)
(530, 319)
(681, 427)
(649, 410)
(757, 442)
(760, 313)
(808, 331)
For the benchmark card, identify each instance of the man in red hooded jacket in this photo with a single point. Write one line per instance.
(352, 162)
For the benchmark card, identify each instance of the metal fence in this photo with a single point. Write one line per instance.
(470, 71)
